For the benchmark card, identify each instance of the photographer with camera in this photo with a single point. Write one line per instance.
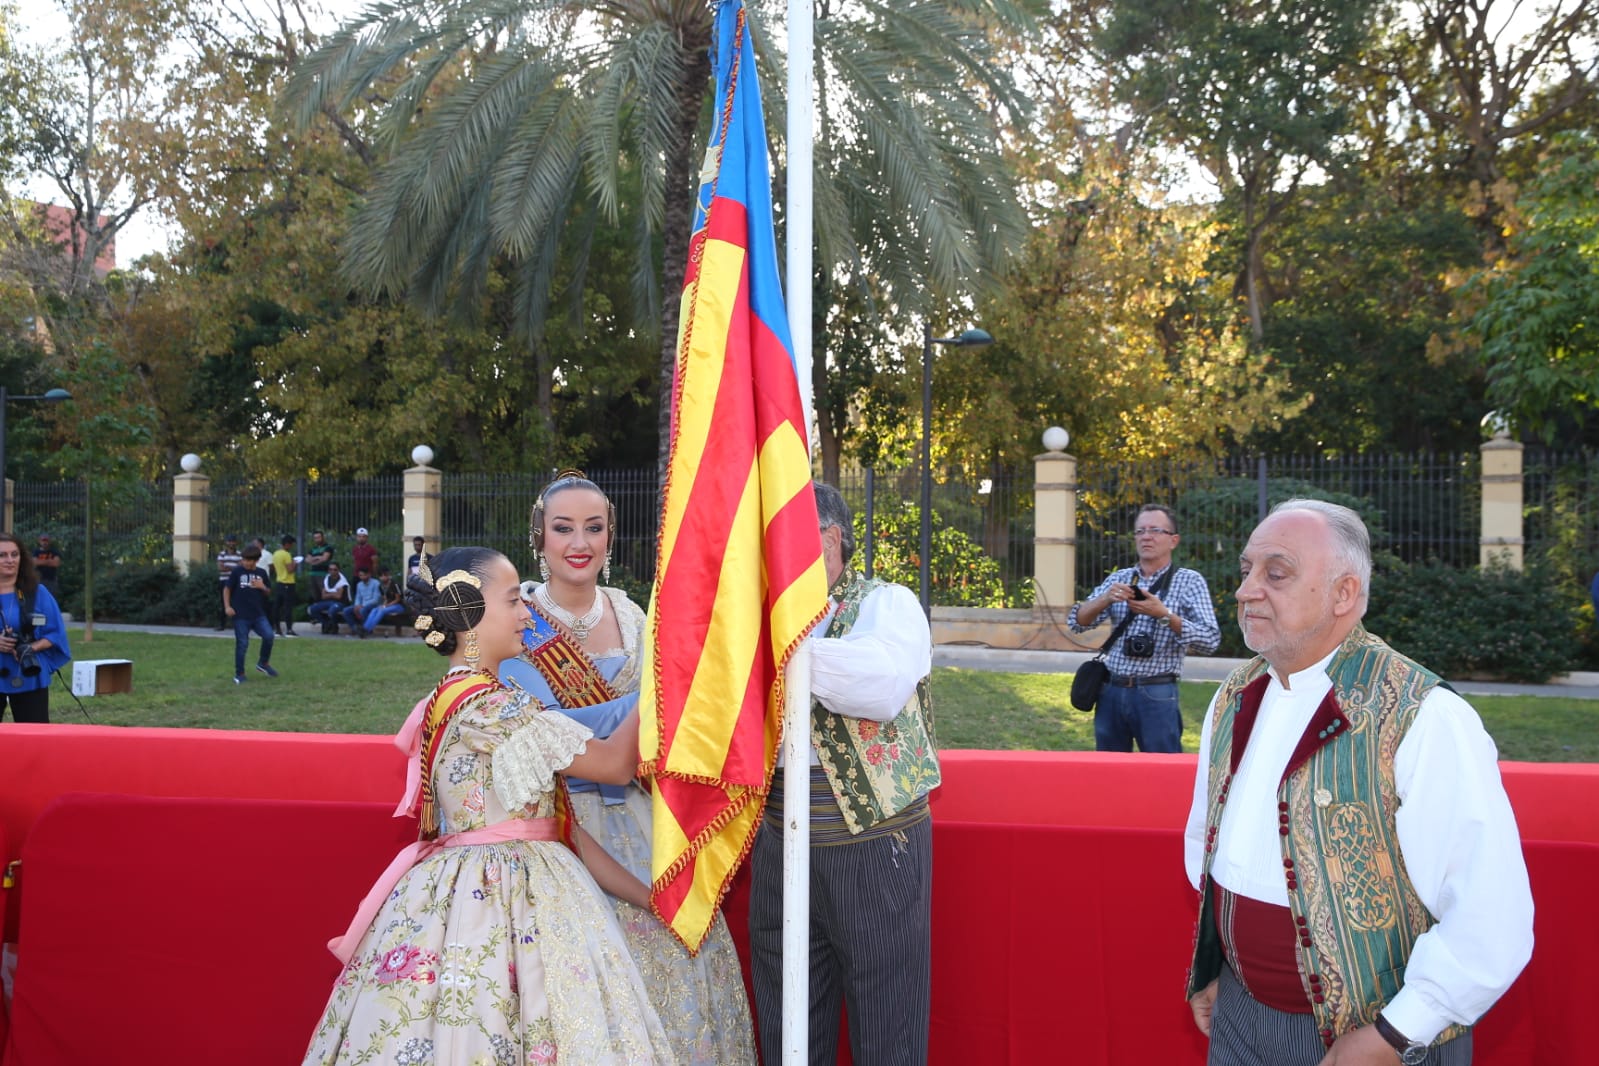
(1160, 611)
(33, 639)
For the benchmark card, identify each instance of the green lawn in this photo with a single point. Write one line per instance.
(368, 686)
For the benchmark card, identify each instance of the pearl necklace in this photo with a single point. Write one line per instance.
(579, 625)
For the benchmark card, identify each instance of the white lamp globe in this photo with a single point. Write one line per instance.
(190, 463)
(1056, 439)
(1496, 424)
(421, 455)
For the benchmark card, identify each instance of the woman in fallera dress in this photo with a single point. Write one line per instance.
(490, 940)
(582, 653)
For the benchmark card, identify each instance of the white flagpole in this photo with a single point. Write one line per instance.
(796, 725)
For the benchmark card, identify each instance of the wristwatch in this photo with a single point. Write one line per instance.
(1410, 1052)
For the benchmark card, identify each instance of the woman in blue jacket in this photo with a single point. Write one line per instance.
(33, 639)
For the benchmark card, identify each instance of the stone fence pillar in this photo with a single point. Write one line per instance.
(1054, 528)
(424, 504)
(1502, 542)
(191, 516)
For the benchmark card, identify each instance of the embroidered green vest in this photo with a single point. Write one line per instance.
(1348, 892)
(877, 769)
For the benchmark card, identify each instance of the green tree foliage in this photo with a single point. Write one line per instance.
(1247, 89)
(961, 575)
(1539, 322)
(1108, 326)
(499, 116)
(1482, 80)
(1363, 267)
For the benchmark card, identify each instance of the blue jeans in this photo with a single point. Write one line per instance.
(1148, 715)
(325, 611)
(375, 616)
(242, 628)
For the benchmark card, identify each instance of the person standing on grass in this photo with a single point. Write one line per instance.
(319, 555)
(583, 655)
(1363, 897)
(245, 599)
(283, 591)
(1168, 611)
(33, 638)
(47, 563)
(227, 559)
(489, 939)
(364, 553)
(873, 760)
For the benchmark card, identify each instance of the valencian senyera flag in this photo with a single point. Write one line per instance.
(740, 578)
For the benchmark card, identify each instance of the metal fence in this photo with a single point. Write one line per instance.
(1560, 512)
(132, 522)
(272, 510)
(1421, 507)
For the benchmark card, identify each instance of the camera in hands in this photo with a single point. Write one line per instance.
(24, 659)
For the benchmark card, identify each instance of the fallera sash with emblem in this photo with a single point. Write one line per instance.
(566, 667)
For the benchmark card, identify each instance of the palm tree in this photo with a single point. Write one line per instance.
(498, 116)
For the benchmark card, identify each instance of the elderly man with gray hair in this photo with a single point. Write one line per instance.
(1363, 898)
(873, 762)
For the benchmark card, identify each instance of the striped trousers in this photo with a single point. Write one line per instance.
(870, 945)
(1246, 1032)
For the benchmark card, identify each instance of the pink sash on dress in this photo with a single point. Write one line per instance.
(343, 947)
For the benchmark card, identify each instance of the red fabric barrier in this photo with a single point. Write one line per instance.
(1062, 917)
(1056, 944)
(1072, 944)
(5, 1013)
(40, 762)
(1065, 788)
(1543, 1019)
(165, 932)
(1553, 801)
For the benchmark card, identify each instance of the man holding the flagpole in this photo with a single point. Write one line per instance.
(744, 571)
(873, 762)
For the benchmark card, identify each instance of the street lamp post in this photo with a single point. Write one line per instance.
(972, 338)
(52, 396)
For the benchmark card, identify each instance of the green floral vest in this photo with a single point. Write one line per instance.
(877, 769)
(1346, 878)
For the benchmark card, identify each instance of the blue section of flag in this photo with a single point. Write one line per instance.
(744, 173)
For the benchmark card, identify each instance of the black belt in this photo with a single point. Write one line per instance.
(1135, 682)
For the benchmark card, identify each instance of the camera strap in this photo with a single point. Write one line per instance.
(1157, 588)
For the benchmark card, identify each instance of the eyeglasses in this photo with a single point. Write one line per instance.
(1147, 531)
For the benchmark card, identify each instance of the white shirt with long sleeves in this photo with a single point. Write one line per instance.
(871, 671)
(1457, 835)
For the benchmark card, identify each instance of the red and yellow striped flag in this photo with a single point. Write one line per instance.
(740, 578)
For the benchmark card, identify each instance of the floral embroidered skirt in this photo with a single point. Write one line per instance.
(699, 998)
(505, 954)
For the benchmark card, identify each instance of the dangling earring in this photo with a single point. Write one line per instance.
(544, 567)
(605, 571)
(471, 649)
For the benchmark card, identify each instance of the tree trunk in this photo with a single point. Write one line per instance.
(827, 435)
(677, 221)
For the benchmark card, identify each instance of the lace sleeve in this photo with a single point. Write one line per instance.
(526, 762)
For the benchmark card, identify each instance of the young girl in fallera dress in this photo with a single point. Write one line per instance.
(582, 654)
(490, 940)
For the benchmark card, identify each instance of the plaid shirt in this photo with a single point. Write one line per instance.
(1187, 596)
